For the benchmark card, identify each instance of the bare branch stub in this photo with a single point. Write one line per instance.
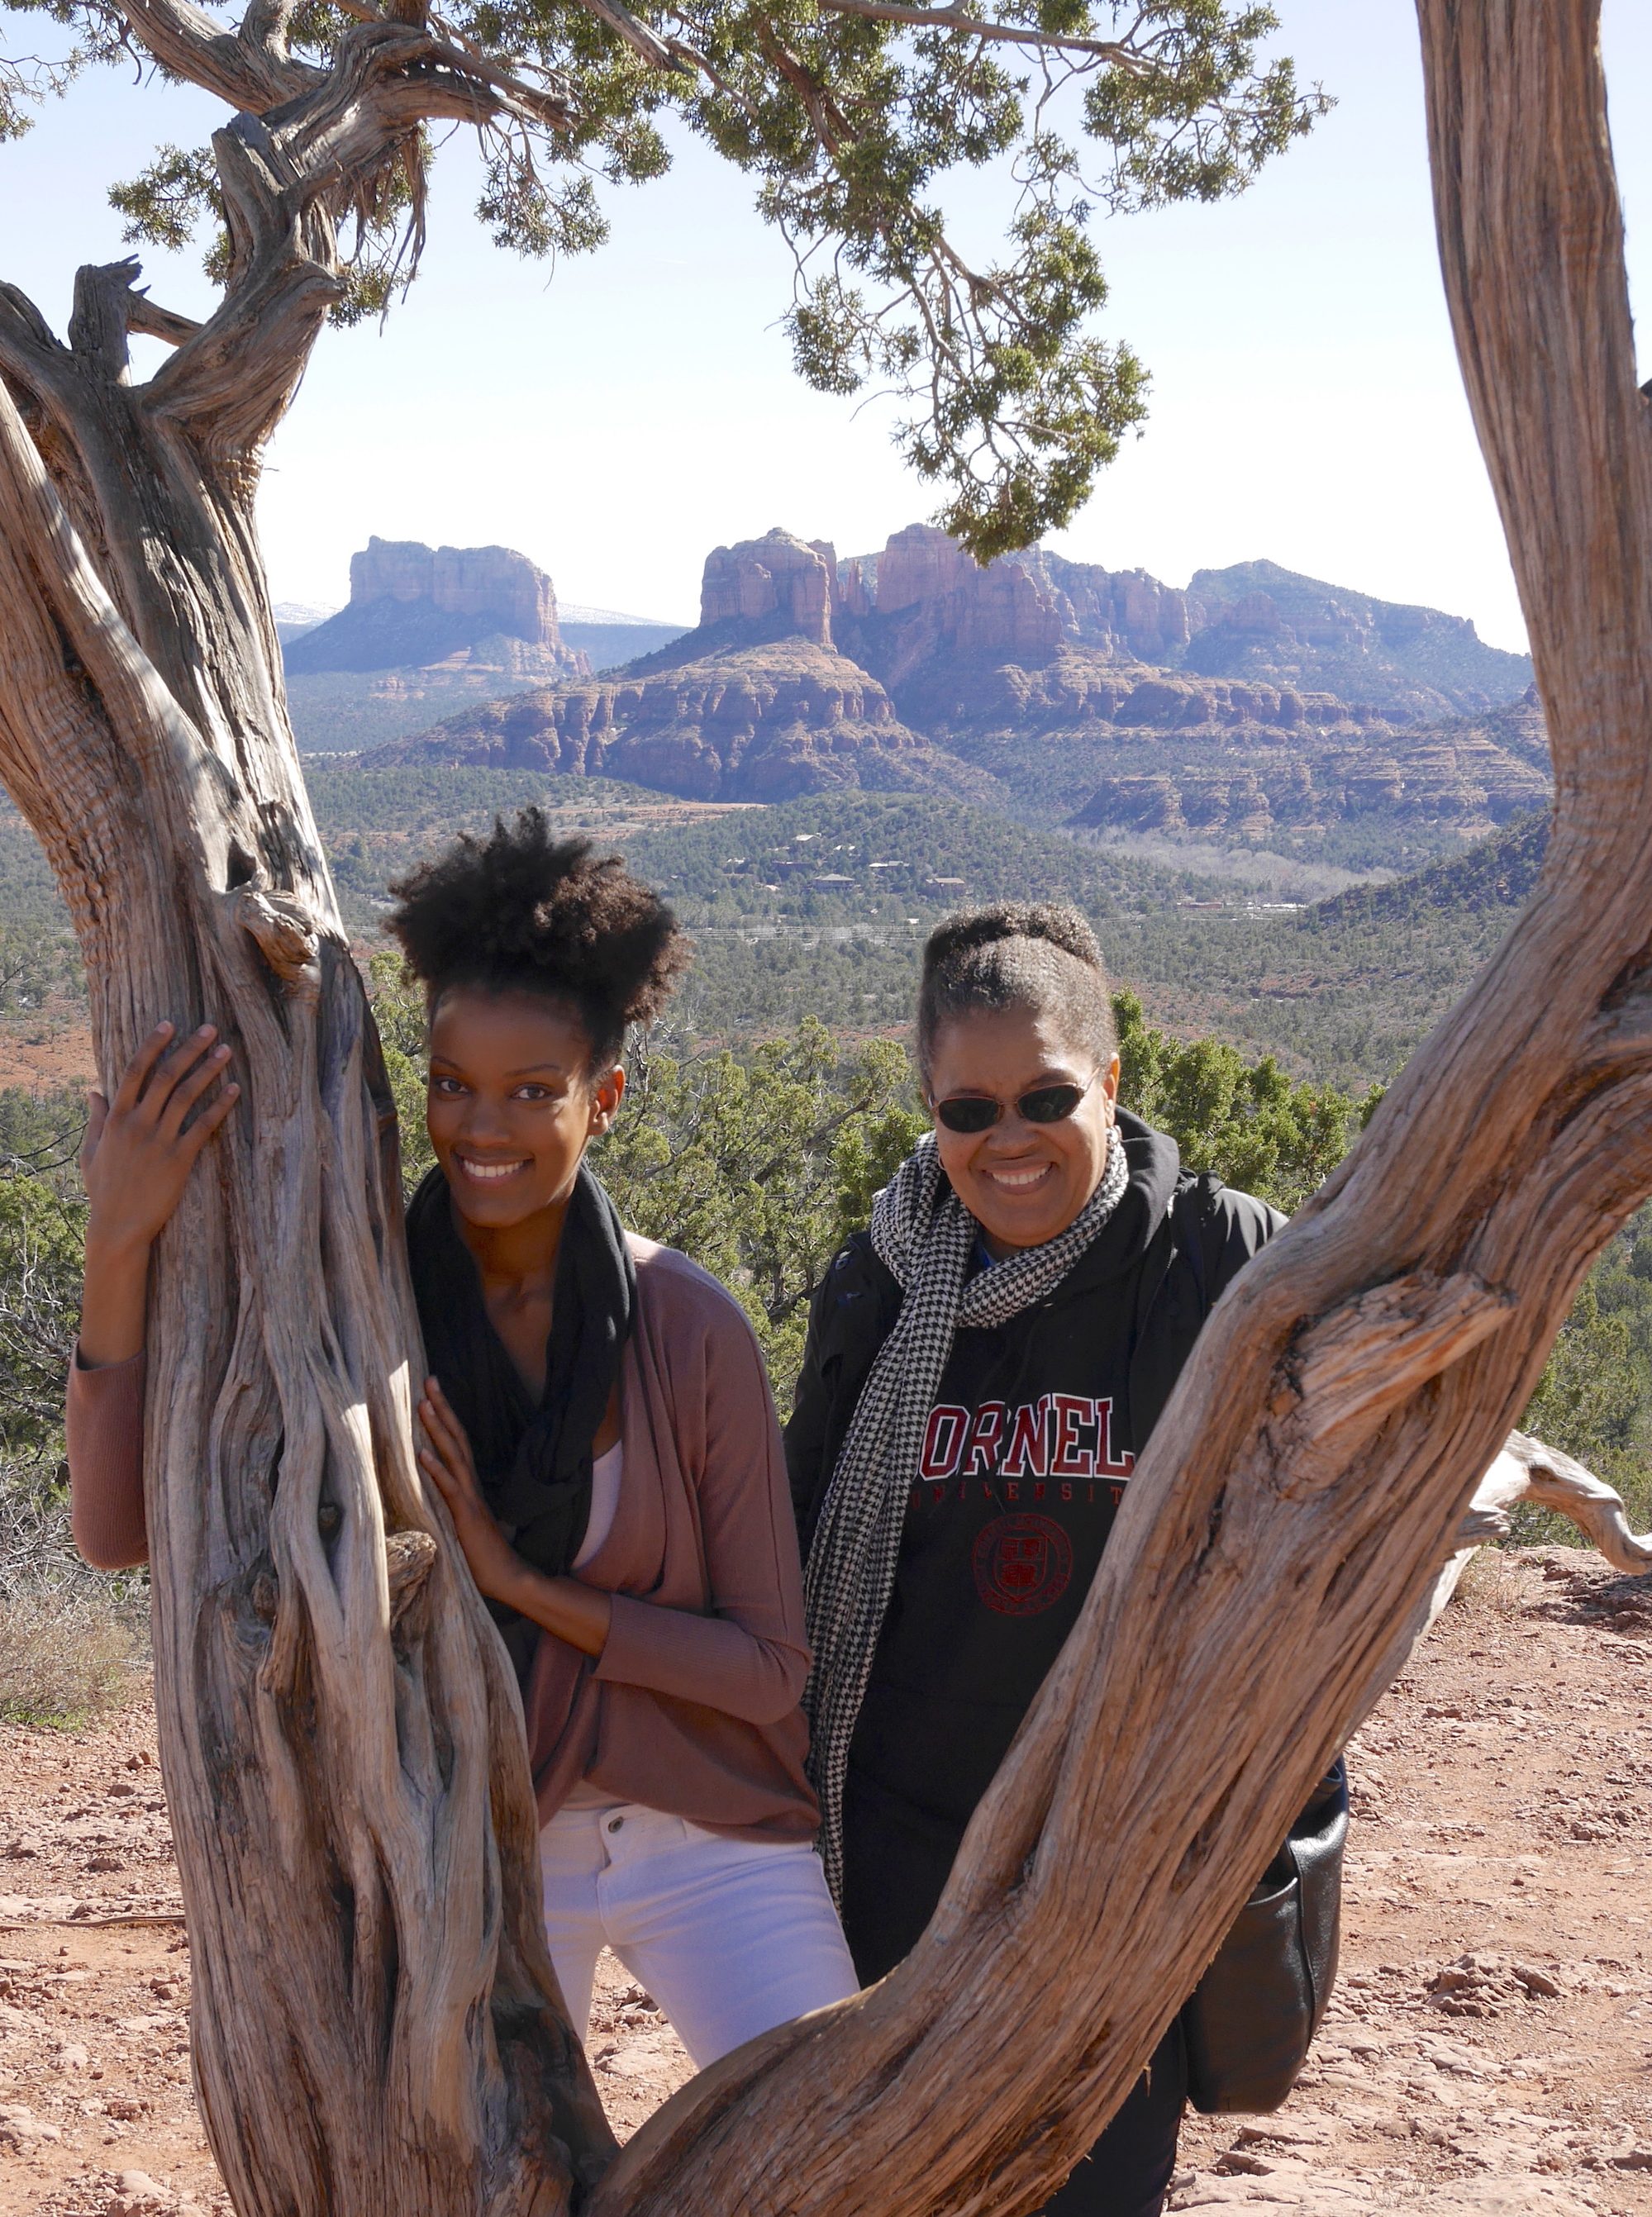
(102, 319)
(158, 323)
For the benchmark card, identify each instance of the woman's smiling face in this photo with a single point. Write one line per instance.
(512, 1103)
(1023, 1184)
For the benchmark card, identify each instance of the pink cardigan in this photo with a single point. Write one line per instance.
(692, 1707)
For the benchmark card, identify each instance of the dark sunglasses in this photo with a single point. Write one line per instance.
(1045, 1104)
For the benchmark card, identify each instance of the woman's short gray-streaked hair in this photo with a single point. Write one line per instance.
(1040, 956)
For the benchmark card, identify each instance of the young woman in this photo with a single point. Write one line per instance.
(598, 1421)
(982, 1368)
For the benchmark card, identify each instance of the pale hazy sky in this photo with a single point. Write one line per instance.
(619, 420)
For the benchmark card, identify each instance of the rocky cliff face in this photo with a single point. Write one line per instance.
(1415, 664)
(763, 724)
(933, 599)
(491, 584)
(1473, 771)
(1065, 688)
(1035, 635)
(1257, 799)
(414, 607)
(935, 628)
(776, 583)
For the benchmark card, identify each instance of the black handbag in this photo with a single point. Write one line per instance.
(1253, 2016)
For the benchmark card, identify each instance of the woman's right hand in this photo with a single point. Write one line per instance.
(139, 1148)
(135, 1160)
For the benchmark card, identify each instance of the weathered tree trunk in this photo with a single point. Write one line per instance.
(376, 2024)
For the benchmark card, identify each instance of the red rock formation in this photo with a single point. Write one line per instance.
(933, 600)
(413, 608)
(776, 581)
(1453, 777)
(856, 588)
(1064, 683)
(759, 723)
(492, 584)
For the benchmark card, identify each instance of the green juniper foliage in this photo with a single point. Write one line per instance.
(850, 125)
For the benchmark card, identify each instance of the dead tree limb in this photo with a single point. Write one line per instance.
(1527, 1470)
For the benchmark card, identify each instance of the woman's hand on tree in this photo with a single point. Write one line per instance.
(497, 1567)
(134, 1162)
(140, 1147)
(572, 1611)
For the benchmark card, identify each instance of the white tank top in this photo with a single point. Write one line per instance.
(605, 1473)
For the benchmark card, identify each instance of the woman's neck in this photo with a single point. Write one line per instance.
(518, 1260)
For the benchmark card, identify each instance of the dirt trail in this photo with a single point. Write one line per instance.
(1488, 2054)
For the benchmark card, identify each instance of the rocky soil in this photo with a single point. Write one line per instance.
(1489, 2053)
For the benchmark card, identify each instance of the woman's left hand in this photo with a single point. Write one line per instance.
(494, 1563)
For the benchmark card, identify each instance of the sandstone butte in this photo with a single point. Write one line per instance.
(460, 608)
(1254, 701)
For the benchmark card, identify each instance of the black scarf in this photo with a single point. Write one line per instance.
(534, 1463)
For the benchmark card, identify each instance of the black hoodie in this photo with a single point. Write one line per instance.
(1028, 1448)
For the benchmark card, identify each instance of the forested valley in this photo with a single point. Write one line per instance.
(777, 1094)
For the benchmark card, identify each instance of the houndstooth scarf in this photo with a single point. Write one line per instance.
(922, 1232)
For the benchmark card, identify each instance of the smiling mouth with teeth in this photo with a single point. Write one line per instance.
(1018, 1180)
(488, 1170)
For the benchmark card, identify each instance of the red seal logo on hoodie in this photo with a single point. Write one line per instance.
(1023, 1565)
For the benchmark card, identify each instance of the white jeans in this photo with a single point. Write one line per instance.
(731, 1937)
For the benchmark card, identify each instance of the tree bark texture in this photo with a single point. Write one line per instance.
(376, 2022)
(377, 2028)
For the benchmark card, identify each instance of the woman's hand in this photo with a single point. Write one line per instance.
(497, 1567)
(134, 1162)
(565, 1607)
(139, 1148)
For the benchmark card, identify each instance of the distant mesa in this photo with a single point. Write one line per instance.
(776, 584)
(1254, 702)
(754, 704)
(417, 607)
(431, 629)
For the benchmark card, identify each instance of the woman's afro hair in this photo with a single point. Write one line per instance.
(1017, 954)
(523, 912)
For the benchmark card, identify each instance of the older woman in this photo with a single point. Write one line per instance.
(983, 1367)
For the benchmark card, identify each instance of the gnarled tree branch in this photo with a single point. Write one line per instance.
(961, 19)
(284, 180)
(250, 72)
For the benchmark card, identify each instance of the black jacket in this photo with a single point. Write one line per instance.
(1032, 1435)
(1186, 1238)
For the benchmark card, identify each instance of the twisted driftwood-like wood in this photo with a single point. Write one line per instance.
(376, 2024)
(1527, 1470)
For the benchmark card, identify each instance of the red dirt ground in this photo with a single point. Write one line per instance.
(1489, 2053)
